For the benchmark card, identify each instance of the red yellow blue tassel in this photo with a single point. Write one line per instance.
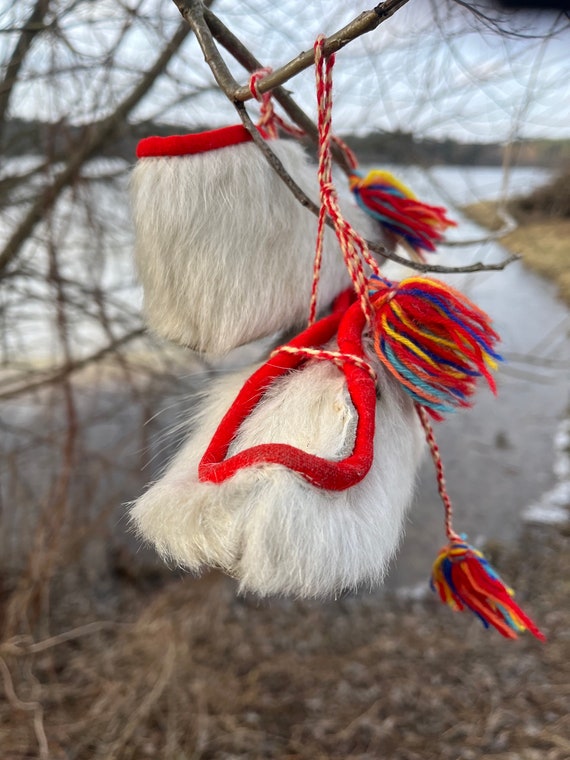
(462, 576)
(434, 340)
(394, 205)
(464, 579)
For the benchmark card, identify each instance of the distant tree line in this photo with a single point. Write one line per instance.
(37, 137)
(405, 148)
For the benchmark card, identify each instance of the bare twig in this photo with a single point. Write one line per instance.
(144, 706)
(34, 707)
(242, 55)
(32, 26)
(193, 12)
(67, 369)
(478, 266)
(21, 646)
(92, 142)
(205, 25)
(365, 22)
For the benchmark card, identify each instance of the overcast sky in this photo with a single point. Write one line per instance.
(440, 76)
(433, 73)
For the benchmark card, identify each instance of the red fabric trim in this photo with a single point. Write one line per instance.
(323, 473)
(201, 142)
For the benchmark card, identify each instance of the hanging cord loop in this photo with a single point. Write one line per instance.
(269, 122)
(354, 249)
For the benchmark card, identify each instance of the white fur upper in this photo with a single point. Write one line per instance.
(224, 250)
(267, 526)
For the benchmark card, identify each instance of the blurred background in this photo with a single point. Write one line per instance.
(106, 653)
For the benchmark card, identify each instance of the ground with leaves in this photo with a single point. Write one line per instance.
(186, 669)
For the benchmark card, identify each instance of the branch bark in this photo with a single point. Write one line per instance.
(33, 25)
(366, 22)
(94, 138)
(206, 26)
(242, 55)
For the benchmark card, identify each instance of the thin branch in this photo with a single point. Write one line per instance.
(496, 25)
(274, 161)
(65, 371)
(33, 25)
(378, 248)
(205, 24)
(478, 266)
(509, 225)
(193, 12)
(364, 23)
(94, 138)
(20, 646)
(242, 55)
(34, 707)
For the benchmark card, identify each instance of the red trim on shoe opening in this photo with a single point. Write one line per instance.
(201, 142)
(323, 473)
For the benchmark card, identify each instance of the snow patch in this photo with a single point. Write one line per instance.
(554, 506)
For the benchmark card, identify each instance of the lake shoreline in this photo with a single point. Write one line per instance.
(543, 242)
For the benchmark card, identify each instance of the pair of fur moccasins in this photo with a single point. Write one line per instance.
(225, 256)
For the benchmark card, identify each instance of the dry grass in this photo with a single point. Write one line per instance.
(543, 235)
(190, 671)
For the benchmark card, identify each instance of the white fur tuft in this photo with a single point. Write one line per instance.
(223, 249)
(266, 525)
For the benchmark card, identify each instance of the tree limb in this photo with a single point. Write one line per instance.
(206, 25)
(66, 370)
(366, 22)
(193, 12)
(32, 26)
(242, 55)
(93, 139)
(478, 266)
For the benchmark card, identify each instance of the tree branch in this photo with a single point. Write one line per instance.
(193, 12)
(32, 26)
(206, 26)
(478, 266)
(366, 22)
(94, 138)
(274, 161)
(242, 55)
(63, 372)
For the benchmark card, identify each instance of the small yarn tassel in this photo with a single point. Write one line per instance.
(394, 205)
(464, 579)
(462, 576)
(433, 340)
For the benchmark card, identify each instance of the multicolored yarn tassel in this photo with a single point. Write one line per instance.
(462, 576)
(464, 579)
(394, 205)
(433, 340)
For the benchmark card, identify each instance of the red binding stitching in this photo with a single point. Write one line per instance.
(187, 145)
(331, 475)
